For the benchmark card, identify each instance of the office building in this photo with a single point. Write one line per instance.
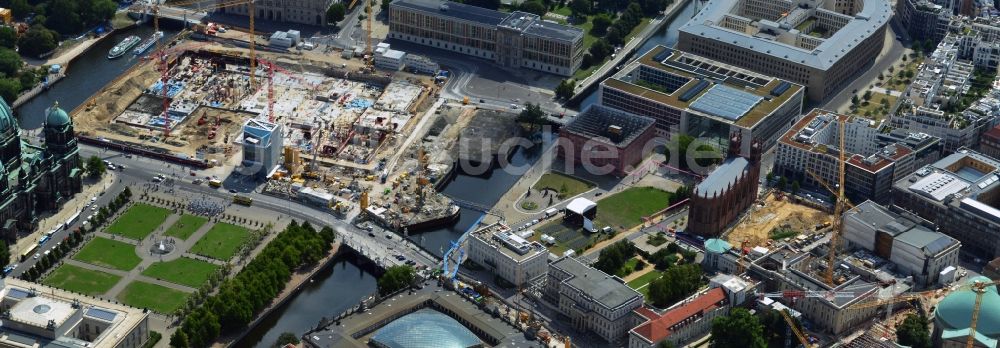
(508, 255)
(874, 160)
(592, 300)
(725, 193)
(682, 323)
(514, 40)
(820, 44)
(36, 179)
(36, 315)
(707, 99)
(262, 146)
(989, 143)
(923, 19)
(311, 12)
(961, 195)
(622, 139)
(906, 240)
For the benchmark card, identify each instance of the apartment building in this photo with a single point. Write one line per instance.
(514, 40)
(593, 300)
(961, 195)
(923, 19)
(989, 143)
(906, 240)
(820, 44)
(874, 160)
(979, 41)
(710, 100)
(508, 255)
(312, 12)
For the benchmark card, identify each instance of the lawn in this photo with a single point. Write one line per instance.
(628, 267)
(221, 242)
(157, 298)
(641, 284)
(183, 271)
(567, 186)
(109, 253)
(81, 280)
(185, 226)
(625, 209)
(875, 110)
(139, 221)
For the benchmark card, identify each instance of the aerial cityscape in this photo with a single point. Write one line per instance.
(487, 173)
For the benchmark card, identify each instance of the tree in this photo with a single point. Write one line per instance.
(867, 96)
(795, 187)
(534, 6)
(855, 100)
(10, 62)
(68, 19)
(614, 36)
(336, 13)
(4, 252)
(565, 89)
(581, 8)
(677, 283)
(385, 3)
(666, 344)
(532, 115)
(395, 278)
(37, 40)
(20, 8)
(287, 338)
(613, 257)
(9, 89)
(95, 167)
(738, 329)
(600, 23)
(600, 50)
(8, 37)
(913, 332)
(782, 183)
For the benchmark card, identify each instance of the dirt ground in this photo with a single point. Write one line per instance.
(757, 226)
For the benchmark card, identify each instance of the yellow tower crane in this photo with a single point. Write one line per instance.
(838, 207)
(795, 329)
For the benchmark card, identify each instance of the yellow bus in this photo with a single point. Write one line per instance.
(242, 200)
(216, 183)
(28, 252)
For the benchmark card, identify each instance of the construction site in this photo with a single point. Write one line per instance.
(775, 213)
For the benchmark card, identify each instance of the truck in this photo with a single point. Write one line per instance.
(242, 200)
(216, 183)
(551, 212)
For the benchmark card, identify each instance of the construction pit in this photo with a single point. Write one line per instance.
(337, 121)
(776, 212)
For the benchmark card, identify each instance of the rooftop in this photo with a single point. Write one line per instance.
(524, 22)
(608, 291)
(504, 240)
(708, 23)
(703, 86)
(726, 174)
(909, 230)
(659, 328)
(610, 126)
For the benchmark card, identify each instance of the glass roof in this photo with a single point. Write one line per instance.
(726, 102)
(425, 328)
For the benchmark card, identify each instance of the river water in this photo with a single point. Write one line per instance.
(342, 284)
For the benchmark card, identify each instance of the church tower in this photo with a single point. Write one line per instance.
(59, 137)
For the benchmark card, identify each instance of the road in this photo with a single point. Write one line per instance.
(139, 170)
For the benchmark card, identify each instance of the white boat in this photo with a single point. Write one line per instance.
(150, 42)
(122, 47)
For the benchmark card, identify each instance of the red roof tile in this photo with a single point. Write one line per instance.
(657, 329)
(647, 313)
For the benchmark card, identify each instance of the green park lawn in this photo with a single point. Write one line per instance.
(81, 280)
(155, 297)
(625, 209)
(183, 271)
(560, 181)
(109, 253)
(185, 226)
(139, 221)
(641, 284)
(874, 109)
(221, 242)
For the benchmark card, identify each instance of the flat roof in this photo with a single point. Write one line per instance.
(609, 125)
(608, 291)
(726, 102)
(455, 10)
(939, 185)
(873, 15)
(727, 173)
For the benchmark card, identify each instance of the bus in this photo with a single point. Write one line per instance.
(216, 183)
(28, 252)
(242, 200)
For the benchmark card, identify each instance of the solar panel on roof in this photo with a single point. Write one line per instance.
(693, 91)
(726, 102)
(102, 314)
(663, 55)
(781, 88)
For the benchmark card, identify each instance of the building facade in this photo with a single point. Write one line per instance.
(592, 300)
(689, 94)
(923, 19)
(819, 44)
(722, 196)
(607, 138)
(311, 12)
(682, 323)
(514, 40)
(508, 255)
(989, 143)
(36, 179)
(262, 143)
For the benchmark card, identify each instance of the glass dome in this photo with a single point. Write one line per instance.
(425, 328)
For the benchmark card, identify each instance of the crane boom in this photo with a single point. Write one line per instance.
(795, 329)
(838, 208)
(979, 288)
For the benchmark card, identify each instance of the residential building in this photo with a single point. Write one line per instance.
(961, 195)
(262, 145)
(874, 160)
(906, 240)
(934, 102)
(683, 322)
(311, 12)
(36, 179)
(593, 300)
(820, 44)
(989, 143)
(40, 316)
(621, 138)
(514, 40)
(725, 193)
(952, 317)
(923, 19)
(508, 255)
(704, 98)
(978, 41)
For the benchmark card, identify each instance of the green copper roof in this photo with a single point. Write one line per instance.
(56, 116)
(954, 313)
(7, 120)
(717, 246)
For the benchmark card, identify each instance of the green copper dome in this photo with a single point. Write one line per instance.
(56, 116)
(954, 312)
(717, 246)
(7, 121)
